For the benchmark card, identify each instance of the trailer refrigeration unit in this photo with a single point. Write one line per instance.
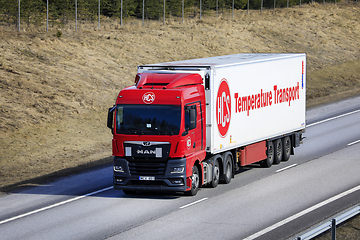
(191, 123)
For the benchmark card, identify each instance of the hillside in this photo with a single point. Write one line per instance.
(55, 91)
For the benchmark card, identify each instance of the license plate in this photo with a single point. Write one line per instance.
(146, 178)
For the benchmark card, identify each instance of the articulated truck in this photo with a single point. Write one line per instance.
(191, 123)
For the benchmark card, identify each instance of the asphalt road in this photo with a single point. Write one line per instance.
(320, 180)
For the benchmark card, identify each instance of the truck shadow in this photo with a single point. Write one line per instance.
(141, 195)
(94, 182)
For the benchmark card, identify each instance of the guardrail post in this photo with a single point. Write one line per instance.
(333, 229)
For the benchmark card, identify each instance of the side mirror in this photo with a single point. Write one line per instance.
(110, 117)
(185, 133)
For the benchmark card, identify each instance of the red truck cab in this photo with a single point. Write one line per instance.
(159, 132)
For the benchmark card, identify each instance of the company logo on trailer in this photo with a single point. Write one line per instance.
(148, 98)
(223, 108)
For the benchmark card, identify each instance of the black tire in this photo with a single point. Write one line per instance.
(216, 174)
(226, 177)
(195, 183)
(270, 156)
(278, 151)
(286, 142)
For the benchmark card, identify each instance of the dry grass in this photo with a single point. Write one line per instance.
(55, 91)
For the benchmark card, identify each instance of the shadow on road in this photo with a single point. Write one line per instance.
(95, 181)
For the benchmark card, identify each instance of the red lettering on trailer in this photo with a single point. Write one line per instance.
(286, 94)
(252, 102)
(264, 99)
(223, 108)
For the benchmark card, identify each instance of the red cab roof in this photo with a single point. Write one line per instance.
(166, 80)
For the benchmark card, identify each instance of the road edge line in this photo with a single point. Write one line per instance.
(329, 119)
(190, 204)
(54, 205)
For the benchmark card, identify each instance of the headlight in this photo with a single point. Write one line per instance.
(177, 170)
(118, 169)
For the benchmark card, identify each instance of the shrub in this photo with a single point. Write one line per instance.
(58, 34)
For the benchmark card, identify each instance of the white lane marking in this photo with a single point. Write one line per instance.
(329, 119)
(190, 204)
(286, 168)
(54, 205)
(302, 213)
(354, 143)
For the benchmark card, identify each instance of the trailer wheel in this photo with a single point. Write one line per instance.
(228, 170)
(195, 179)
(270, 156)
(286, 142)
(278, 151)
(216, 174)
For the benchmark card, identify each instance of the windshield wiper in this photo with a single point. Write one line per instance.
(166, 133)
(137, 132)
(132, 131)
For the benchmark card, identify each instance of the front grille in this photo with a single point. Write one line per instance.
(147, 169)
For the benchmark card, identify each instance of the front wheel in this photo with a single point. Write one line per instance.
(195, 182)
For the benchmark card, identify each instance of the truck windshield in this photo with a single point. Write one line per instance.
(148, 119)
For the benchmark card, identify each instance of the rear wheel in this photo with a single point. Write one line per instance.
(270, 156)
(216, 174)
(195, 182)
(278, 151)
(228, 170)
(286, 148)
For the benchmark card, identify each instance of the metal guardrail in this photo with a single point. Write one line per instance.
(330, 224)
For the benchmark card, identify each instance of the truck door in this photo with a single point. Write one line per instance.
(194, 127)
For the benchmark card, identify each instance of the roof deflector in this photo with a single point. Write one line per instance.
(166, 80)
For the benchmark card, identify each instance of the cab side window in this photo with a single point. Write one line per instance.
(190, 117)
